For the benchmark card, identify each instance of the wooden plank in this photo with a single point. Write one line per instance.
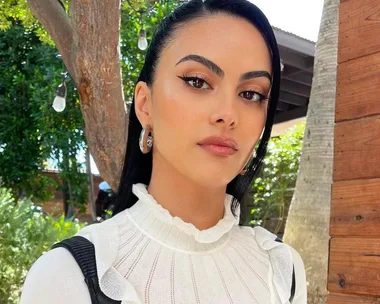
(302, 78)
(296, 89)
(295, 59)
(293, 99)
(359, 29)
(357, 149)
(355, 209)
(354, 266)
(358, 88)
(349, 299)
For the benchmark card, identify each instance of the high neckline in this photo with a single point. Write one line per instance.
(139, 235)
(157, 222)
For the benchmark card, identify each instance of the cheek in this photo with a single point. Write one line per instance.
(173, 113)
(253, 124)
(174, 110)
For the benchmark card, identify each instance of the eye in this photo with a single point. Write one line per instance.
(196, 82)
(253, 96)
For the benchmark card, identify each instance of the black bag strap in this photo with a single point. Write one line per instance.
(293, 289)
(83, 252)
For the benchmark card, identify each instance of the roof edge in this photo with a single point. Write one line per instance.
(294, 42)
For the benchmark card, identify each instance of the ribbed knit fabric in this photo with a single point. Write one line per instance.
(158, 258)
(83, 252)
(144, 255)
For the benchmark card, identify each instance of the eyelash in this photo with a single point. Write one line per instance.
(187, 79)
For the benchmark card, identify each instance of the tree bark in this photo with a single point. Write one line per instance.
(88, 41)
(307, 228)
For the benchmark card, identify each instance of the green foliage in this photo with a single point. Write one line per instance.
(22, 152)
(273, 189)
(25, 235)
(132, 58)
(30, 130)
(12, 11)
(17, 12)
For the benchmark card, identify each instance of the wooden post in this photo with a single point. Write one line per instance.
(354, 260)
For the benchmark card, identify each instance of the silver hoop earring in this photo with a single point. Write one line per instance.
(146, 140)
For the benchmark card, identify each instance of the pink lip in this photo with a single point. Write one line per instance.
(219, 146)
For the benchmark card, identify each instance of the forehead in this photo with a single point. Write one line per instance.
(229, 41)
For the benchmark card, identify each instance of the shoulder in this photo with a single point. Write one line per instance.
(297, 259)
(300, 296)
(267, 241)
(55, 277)
(284, 260)
(258, 235)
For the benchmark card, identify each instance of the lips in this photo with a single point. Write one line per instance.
(219, 146)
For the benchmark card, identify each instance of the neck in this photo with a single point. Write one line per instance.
(193, 203)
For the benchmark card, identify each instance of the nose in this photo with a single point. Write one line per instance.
(225, 114)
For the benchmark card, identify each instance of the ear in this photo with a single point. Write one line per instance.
(143, 101)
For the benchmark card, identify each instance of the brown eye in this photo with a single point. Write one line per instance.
(252, 96)
(196, 82)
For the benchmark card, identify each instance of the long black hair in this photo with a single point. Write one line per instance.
(138, 166)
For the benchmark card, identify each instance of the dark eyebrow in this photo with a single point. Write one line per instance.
(218, 71)
(255, 74)
(206, 62)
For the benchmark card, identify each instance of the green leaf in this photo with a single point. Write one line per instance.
(272, 190)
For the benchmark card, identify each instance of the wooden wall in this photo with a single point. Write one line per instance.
(354, 262)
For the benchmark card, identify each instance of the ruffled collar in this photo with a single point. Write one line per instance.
(152, 218)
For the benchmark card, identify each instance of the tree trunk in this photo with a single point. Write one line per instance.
(71, 205)
(68, 206)
(307, 228)
(66, 198)
(88, 41)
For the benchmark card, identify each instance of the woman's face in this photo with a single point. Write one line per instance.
(209, 91)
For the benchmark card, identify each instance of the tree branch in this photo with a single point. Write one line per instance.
(57, 23)
(89, 45)
(96, 30)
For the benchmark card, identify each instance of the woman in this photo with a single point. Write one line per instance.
(205, 98)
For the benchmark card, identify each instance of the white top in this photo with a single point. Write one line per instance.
(144, 255)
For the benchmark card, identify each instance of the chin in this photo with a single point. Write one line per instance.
(213, 179)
